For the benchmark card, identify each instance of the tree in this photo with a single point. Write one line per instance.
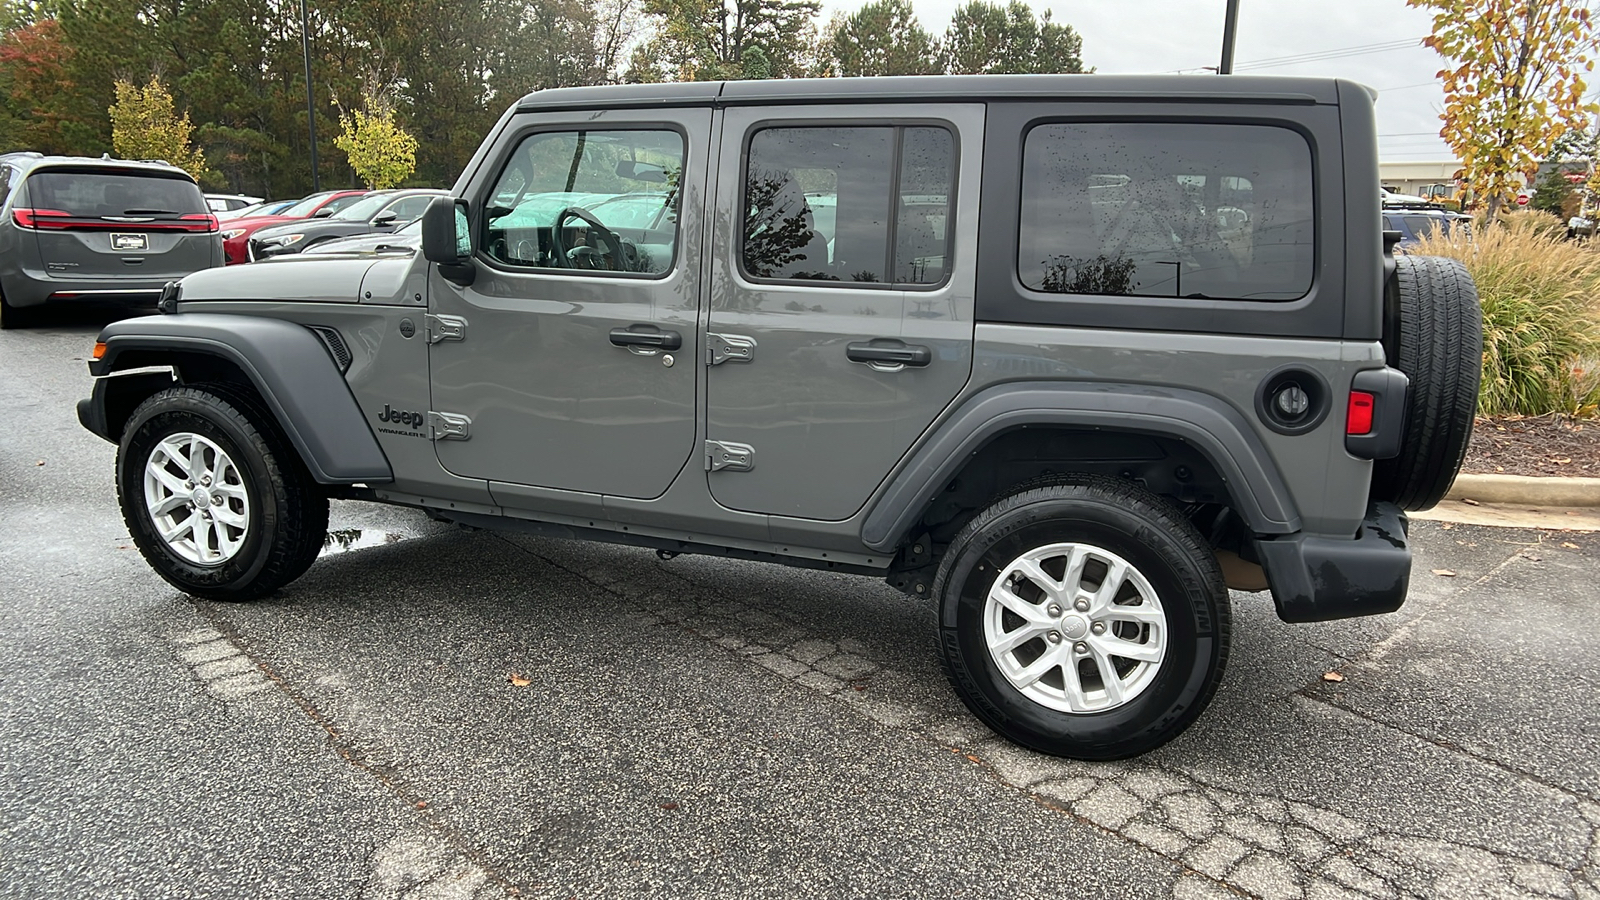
(711, 40)
(381, 152)
(987, 38)
(145, 125)
(33, 72)
(1556, 195)
(1514, 83)
(880, 38)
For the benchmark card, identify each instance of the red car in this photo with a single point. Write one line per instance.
(236, 234)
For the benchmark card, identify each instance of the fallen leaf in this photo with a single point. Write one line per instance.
(1444, 573)
(1470, 502)
(39, 463)
(1569, 545)
(1332, 676)
(973, 758)
(1447, 526)
(1564, 460)
(669, 806)
(421, 804)
(1572, 512)
(519, 680)
(1529, 556)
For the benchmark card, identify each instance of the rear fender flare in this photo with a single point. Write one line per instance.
(288, 366)
(1214, 428)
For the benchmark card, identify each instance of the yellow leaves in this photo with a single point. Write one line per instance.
(381, 152)
(145, 125)
(1513, 84)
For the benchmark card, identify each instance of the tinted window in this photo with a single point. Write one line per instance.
(854, 204)
(361, 208)
(1423, 226)
(410, 208)
(6, 173)
(306, 206)
(93, 194)
(613, 193)
(1167, 210)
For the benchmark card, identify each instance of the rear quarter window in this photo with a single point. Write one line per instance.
(1169, 209)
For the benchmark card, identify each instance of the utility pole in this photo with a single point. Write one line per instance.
(311, 104)
(1230, 29)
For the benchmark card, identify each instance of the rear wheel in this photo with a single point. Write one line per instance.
(1083, 617)
(215, 499)
(12, 316)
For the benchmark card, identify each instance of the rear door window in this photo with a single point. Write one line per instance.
(859, 204)
(1186, 210)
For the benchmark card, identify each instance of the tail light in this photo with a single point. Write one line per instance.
(38, 218)
(1359, 420)
(199, 222)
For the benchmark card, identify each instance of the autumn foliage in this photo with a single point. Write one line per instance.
(1514, 83)
(145, 124)
(34, 62)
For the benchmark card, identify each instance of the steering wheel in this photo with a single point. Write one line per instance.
(574, 259)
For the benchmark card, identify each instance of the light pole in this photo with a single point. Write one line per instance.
(311, 108)
(1230, 28)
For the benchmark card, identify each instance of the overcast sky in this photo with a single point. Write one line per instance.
(1127, 36)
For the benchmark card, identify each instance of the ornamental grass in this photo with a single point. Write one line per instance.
(1541, 314)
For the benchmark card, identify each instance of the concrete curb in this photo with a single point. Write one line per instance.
(1525, 489)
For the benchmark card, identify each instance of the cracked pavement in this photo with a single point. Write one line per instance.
(440, 713)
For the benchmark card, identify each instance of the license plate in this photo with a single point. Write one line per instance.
(130, 242)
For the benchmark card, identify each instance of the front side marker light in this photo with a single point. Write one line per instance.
(99, 349)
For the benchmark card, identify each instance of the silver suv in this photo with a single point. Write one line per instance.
(1065, 357)
(77, 229)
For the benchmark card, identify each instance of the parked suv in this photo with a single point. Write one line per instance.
(761, 319)
(77, 229)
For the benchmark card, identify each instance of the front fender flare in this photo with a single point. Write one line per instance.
(1208, 424)
(288, 366)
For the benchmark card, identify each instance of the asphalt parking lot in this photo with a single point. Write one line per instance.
(437, 713)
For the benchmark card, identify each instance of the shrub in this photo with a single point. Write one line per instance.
(1541, 314)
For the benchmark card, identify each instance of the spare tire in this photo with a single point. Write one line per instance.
(1437, 342)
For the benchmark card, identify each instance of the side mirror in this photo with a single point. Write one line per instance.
(384, 220)
(323, 213)
(447, 239)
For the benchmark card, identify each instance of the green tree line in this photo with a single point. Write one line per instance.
(450, 66)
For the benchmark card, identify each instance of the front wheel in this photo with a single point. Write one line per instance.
(214, 497)
(1083, 617)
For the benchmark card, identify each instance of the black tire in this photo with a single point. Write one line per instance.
(286, 519)
(1439, 346)
(13, 316)
(1156, 540)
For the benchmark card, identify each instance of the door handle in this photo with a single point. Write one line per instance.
(646, 337)
(888, 351)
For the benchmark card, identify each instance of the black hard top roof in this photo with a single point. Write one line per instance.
(929, 88)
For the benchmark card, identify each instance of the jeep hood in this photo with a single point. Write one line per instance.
(323, 278)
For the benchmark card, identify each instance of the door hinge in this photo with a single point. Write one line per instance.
(446, 328)
(729, 455)
(721, 348)
(443, 426)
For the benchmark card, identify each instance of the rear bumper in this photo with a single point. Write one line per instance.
(1315, 579)
(30, 291)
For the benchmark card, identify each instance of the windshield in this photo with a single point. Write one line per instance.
(365, 209)
(307, 206)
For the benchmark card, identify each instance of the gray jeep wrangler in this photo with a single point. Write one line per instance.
(1071, 356)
